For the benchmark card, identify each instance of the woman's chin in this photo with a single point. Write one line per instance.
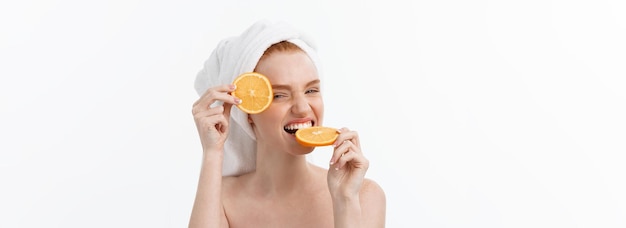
(304, 150)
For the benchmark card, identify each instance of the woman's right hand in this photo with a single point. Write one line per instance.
(212, 122)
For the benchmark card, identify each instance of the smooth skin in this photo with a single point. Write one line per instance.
(284, 190)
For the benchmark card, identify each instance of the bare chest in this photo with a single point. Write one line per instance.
(314, 211)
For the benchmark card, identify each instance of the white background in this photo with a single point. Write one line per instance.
(473, 113)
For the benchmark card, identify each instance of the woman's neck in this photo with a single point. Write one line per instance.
(280, 173)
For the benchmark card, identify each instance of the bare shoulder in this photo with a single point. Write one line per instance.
(235, 185)
(234, 182)
(229, 180)
(373, 203)
(370, 187)
(231, 186)
(372, 191)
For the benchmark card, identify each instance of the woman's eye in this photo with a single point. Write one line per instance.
(312, 91)
(276, 96)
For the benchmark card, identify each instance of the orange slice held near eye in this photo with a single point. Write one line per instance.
(316, 136)
(255, 92)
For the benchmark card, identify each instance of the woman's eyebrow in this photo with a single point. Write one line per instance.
(316, 81)
(287, 87)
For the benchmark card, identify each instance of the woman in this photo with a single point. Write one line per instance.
(280, 188)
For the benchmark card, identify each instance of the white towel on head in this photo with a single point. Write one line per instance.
(237, 55)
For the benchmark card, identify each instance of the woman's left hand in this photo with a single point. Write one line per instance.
(347, 166)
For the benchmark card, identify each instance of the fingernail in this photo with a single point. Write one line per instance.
(233, 87)
(238, 101)
(336, 168)
(331, 162)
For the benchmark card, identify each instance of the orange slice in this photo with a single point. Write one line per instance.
(255, 92)
(316, 136)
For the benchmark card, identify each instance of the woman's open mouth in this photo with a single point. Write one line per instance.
(292, 128)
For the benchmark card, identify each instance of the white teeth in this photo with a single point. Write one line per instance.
(299, 126)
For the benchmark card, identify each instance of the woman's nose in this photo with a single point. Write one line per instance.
(300, 105)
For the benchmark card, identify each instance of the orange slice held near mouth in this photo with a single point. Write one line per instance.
(316, 136)
(255, 92)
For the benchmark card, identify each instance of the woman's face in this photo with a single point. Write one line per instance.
(297, 101)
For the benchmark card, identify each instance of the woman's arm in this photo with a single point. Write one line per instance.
(208, 210)
(357, 201)
(212, 124)
(347, 212)
(367, 209)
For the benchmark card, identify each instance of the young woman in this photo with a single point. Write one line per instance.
(283, 190)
